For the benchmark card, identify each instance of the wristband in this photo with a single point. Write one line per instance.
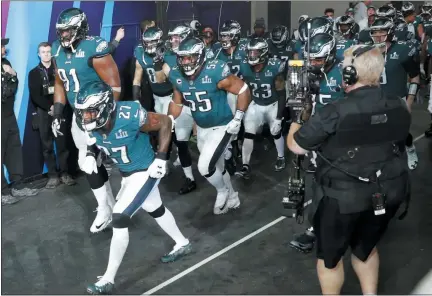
(58, 109)
(239, 115)
(413, 89)
(136, 92)
(162, 155)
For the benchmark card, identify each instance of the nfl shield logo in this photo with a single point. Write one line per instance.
(191, 82)
(69, 56)
(104, 136)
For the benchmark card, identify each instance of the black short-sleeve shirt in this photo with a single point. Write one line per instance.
(318, 128)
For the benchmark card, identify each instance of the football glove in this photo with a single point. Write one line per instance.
(56, 125)
(89, 165)
(157, 169)
(233, 127)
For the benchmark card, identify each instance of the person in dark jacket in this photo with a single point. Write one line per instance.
(41, 86)
(362, 176)
(11, 150)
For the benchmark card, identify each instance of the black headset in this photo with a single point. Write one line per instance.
(349, 73)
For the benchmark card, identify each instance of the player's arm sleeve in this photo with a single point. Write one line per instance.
(318, 128)
(412, 63)
(142, 116)
(102, 48)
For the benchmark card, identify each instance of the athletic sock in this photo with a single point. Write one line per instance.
(119, 244)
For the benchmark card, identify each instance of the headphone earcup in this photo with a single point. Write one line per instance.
(349, 75)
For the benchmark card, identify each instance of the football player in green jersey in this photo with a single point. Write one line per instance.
(232, 52)
(121, 129)
(323, 64)
(279, 44)
(266, 79)
(402, 61)
(151, 50)
(415, 23)
(203, 85)
(79, 59)
(345, 28)
(318, 25)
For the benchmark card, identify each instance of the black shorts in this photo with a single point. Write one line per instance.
(335, 232)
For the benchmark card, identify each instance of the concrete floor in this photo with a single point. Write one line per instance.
(47, 247)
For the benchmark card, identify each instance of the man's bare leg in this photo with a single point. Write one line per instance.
(331, 280)
(367, 272)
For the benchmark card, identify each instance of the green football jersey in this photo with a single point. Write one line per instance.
(208, 103)
(283, 53)
(233, 60)
(330, 87)
(126, 145)
(400, 59)
(262, 83)
(75, 68)
(146, 62)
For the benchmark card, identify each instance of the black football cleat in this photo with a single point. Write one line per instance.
(187, 187)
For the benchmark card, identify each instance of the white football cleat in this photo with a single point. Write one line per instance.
(233, 201)
(103, 218)
(412, 157)
(221, 204)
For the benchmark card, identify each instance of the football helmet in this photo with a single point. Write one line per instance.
(427, 7)
(152, 40)
(407, 9)
(322, 52)
(177, 35)
(190, 55)
(229, 34)
(386, 11)
(345, 25)
(71, 26)
(257, 51)
(382, 24)
(279, 36)
(94, 105)
(318, 25)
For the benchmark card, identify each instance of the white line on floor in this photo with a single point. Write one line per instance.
(214, 256)
(419, 138)
(223, 251)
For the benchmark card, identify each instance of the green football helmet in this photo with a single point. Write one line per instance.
(318, 25)
(94, 105)
(177, 35)
(71, 27)
(257, 51)
(190, 55)
(383, 24)
(152, 40)
(322, 52)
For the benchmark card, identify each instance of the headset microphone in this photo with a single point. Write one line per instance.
(349, 73)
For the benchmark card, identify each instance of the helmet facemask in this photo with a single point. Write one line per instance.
(255, 57)
(226, 40)
(189, 63)
(151, 46)
(379, 36)
(96, 115)
(345, 29)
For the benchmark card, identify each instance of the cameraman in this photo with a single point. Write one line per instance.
(11, 151)
(41, 86)
(362, 173)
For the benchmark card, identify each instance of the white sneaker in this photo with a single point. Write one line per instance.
(412, 157)
(233, 200)
(103, 218)
(221, 204)
(177, 162)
